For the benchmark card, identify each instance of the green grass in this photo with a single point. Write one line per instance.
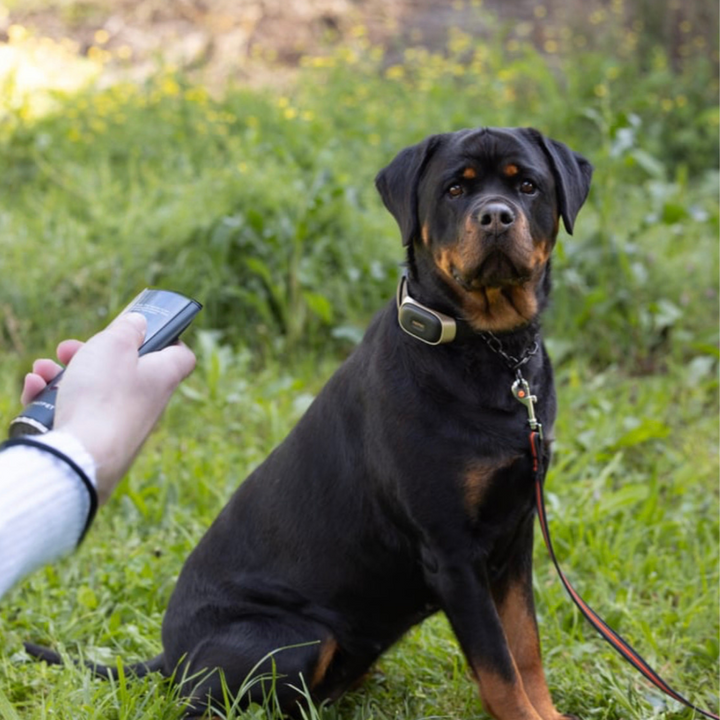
(262, 206)
(633, 503)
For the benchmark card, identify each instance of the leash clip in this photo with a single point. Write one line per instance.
(521, 391)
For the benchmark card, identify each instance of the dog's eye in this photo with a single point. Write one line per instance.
(455, 191)
(528, 187)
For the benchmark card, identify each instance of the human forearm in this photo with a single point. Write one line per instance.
(44, 504)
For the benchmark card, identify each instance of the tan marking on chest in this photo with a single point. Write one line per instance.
(478, 479)
(499, 309)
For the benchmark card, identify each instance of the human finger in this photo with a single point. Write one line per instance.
(33, 385)
(130, 323)
(66, 350)
(169, 366)
(47, 369)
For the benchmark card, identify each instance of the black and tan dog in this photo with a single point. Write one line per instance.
(406, 488)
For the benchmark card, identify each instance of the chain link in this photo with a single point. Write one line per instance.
(495, 344)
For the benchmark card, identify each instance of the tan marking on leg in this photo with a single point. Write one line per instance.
(524, 643)
(328, 648)
(504, 700)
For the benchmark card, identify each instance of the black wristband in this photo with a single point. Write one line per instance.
(92, 492)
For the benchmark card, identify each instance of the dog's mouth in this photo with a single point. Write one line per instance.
(497, 270)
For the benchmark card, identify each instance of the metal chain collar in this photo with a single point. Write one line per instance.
(520, 388)
(495, 344)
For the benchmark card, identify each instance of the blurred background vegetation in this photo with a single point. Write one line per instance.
(228, 149)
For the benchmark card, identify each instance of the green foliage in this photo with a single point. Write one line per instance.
(262, 206)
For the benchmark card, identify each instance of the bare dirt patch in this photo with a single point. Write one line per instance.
(260, 41)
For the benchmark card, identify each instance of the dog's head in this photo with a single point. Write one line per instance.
(480, 209)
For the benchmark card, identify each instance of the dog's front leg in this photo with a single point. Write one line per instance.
(465, 597)
(513, 594)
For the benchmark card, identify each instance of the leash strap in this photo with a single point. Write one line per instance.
(620, 644)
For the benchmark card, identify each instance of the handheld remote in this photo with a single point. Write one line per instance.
(168, 314)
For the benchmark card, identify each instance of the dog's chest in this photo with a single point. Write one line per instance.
(498, 501)
(494, 489)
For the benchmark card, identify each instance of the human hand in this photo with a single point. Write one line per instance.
(109, 397)
(44, 370)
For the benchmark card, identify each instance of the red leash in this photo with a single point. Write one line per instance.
(621, 645)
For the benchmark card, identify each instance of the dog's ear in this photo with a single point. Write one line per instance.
(572, 174)
(398, 185)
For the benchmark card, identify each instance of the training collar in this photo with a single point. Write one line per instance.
(435, 328)
(425, 324)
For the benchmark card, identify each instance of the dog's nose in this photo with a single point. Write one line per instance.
(496, 217)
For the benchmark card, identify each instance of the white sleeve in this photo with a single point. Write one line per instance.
(44, 504)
